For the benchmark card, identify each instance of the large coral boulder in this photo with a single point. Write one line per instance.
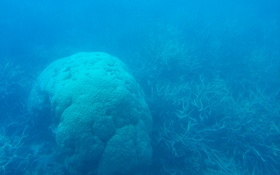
(99, 116)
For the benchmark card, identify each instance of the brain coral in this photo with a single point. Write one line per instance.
(99, 116)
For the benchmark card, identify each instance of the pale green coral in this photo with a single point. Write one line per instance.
(100, 115)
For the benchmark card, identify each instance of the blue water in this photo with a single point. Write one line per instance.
(209, 71)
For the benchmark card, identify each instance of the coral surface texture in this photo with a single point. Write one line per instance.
(98, 114)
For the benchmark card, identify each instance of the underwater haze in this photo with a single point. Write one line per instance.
(144, 87)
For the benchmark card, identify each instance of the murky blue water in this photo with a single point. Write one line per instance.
(209, 72)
